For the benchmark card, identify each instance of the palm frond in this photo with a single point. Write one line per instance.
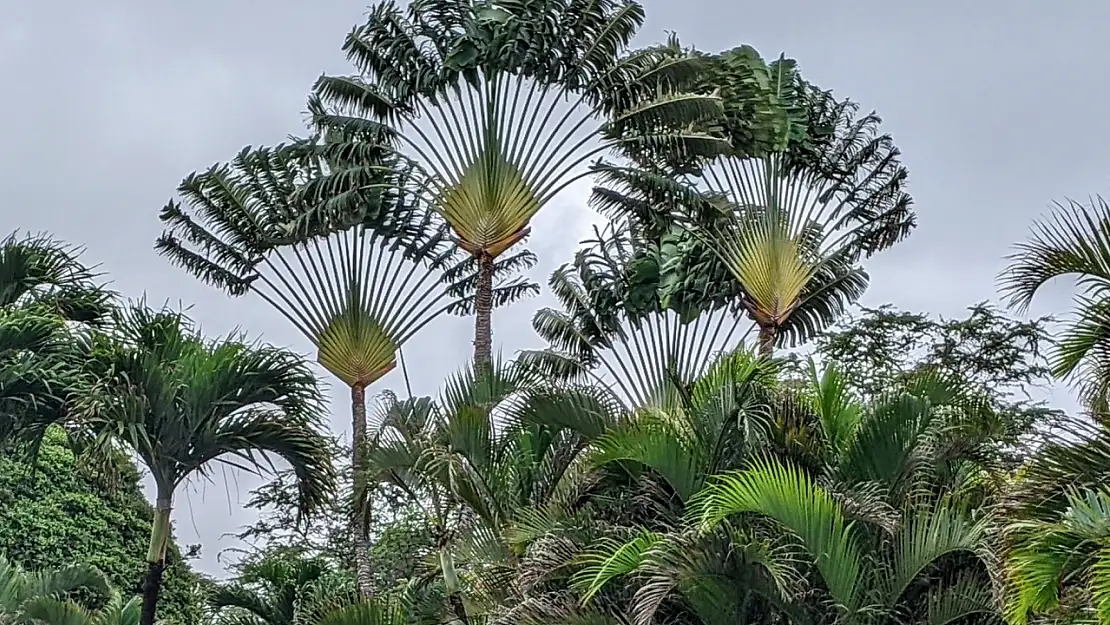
(793, 500)
(615, 326)
(357, 274)
(182, 403)
(39, 271)
(1074, 240)
(501, 128)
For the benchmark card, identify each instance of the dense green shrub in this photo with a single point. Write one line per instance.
(64, 513)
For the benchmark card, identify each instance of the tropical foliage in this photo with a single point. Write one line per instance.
(520, 96)
(64, 510)
(1072, 242)
(182, 404)
(666, 457)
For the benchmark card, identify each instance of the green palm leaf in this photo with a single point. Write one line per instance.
(358, 284)
(25, 592)
(611, 559)
(616, 327)
(925, 538)
(791, 498)
(506, 107)
(511, 107)
(1074, 241)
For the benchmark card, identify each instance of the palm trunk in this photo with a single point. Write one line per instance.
(451, 584)
(767, 335)
(483, 311)
(361, 503)
(156, 558)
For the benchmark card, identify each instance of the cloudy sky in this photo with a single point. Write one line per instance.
(997, 106)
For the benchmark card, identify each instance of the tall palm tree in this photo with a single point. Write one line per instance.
(1075, 242)
(807, 189)
(183, 404)
(357, 283)
(502, 104)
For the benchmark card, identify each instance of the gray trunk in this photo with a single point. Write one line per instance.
(361, 503)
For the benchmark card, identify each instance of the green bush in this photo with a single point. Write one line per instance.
(65, 513)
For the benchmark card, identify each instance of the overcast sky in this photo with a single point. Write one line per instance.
(997, 106)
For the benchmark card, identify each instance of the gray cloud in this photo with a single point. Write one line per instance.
(996, 105)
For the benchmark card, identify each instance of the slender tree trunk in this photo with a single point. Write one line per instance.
(483, 311)
(361, 503)
(767, 335)
(156, 558)
(451, 583)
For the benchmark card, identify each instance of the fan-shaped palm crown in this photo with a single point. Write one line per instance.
(807, 189)
(358, 272)
(502, 104)
(354, 283)
(615, 325)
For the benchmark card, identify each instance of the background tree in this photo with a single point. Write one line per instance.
(403, 537)
(997, 357)
(182, 404)
(781, 218)
(46, 295)
(505, 106)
